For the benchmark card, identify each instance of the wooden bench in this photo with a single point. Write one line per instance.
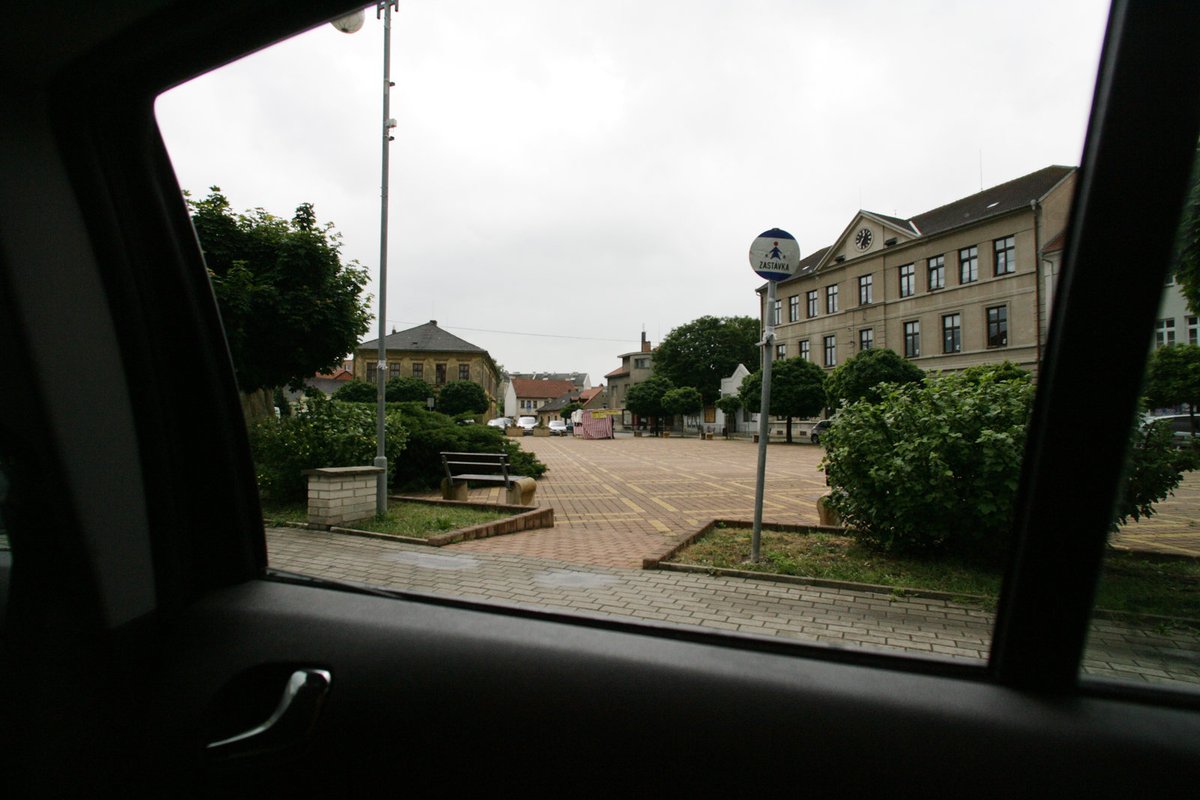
(462, 468)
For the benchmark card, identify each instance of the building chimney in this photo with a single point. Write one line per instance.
(433, 322)
(645, 343)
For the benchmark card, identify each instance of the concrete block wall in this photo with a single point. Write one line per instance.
(337, 495)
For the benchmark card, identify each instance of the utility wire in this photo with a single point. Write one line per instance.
(516, 333)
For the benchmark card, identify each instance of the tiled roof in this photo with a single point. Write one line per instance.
(528, 388)
(810, 263)
(588, 394)
(991, 202)
(618, 372)
(428, 337)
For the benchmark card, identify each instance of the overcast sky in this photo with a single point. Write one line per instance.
(565, 174)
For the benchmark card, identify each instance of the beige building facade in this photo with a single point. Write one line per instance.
(635, 367)
(963, 284)
(433, 355)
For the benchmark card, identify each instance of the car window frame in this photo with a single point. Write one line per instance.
(1059, 537)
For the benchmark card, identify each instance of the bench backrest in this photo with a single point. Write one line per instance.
(475, 464)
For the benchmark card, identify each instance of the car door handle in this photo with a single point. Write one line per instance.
(289, 724)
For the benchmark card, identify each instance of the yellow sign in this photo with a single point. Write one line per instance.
(601, 413)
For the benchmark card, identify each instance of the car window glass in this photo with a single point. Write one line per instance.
(575, 190)
(1147, 619)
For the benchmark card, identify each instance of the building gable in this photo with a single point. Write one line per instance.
(866, 235)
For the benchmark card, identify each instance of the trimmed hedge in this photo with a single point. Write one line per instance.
(326, 433)
(430, 433)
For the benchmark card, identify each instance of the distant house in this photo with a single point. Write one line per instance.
(730, 387)
(635, 367)
(581, 380)
(329, 382)
(587, 399)
(533, 394)
(433, 355)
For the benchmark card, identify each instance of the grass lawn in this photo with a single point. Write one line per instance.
(1130, 582)
(418, 520)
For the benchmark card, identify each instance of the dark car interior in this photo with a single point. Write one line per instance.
(143, 634)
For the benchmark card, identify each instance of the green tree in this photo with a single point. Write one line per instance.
(569, 409)
(404, 389)
(683, 400)
(356, 391)
(645, 398)
(1153, 470)
(730, 404)
(858, 376)
(702, 352)
(1173, 378)
(462, 397)
(1187, 261)
(797, 390)
(289, 305)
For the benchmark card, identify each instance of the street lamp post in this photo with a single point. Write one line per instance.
(350, 24)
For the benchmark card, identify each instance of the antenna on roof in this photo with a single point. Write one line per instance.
(981, 169)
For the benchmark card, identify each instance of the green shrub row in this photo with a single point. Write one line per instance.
(331, 433)
(325, 434)
(934, 467)
(430, 433)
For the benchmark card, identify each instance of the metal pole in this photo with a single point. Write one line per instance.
(764, 423)
(381, 365)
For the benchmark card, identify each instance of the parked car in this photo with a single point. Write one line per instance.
(528, 423)
(815, 434)
(1181, 425)
(141, 622)
(500, 422)
(558, 427)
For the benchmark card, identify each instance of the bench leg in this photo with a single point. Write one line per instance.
(453, 491)
(521, 491)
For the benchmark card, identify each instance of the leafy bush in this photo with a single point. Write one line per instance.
(326, 434)
(404, 388)
(931, 467)
(1153, 469)
(430, 433)
(356, 391)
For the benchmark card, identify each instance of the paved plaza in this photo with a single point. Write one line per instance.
(619, 501)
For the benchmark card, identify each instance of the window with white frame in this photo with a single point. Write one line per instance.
(831, 299)
(865, 290)
(1164, 332)
(866, 339)
(831, 351)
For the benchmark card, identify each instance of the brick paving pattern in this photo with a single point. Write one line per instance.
(619, 501)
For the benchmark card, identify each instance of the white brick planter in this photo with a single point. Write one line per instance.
(337, 495)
